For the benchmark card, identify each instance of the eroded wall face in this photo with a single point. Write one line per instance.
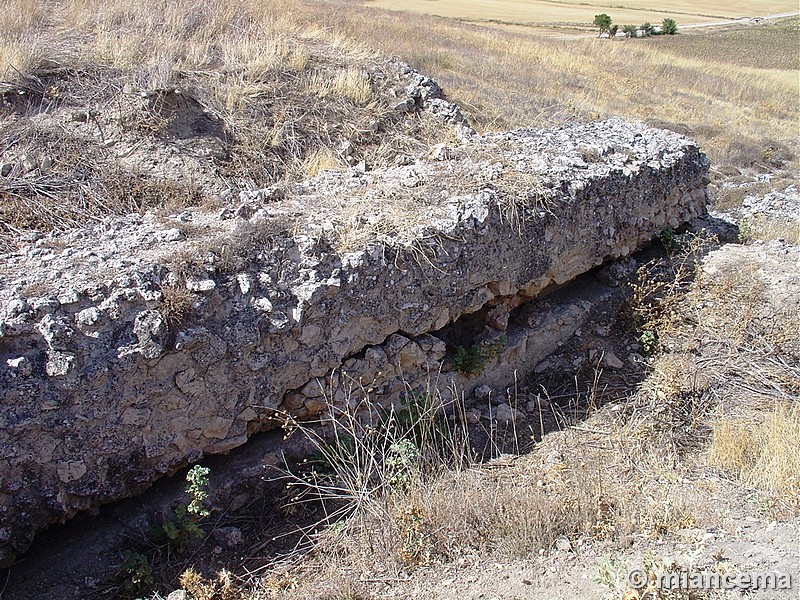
(104, 389)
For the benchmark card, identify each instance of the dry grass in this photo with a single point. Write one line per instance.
(270, 92)
(762, 451)
(351, 83)
(732, 334)
(361, 218)
(727, 372)
(176, 302)
(98, 96)
(766, 228)
(737, 110)
(321, 160)
(731, 372)
(402, 494)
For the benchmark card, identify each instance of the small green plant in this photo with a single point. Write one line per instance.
(745, 230)
(138, 571)
(669, 27)
(183, 525)
(612, 573)
(669, 240)
(402, 460)
(198, 490)
(629, 31)
(471, 361)
(646, 28)
(649, 342)
(180, 529)
(761, 502)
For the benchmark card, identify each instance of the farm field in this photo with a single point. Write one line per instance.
(776, 46)
(574, 13)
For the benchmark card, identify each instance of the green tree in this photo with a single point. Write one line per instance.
(629, 30)
(669, 27)
(646, 28)
(612, 31)
(603, 22)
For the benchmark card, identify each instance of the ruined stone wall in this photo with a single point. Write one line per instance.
(104, 387)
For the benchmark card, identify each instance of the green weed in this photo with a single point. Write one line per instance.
(471, 361)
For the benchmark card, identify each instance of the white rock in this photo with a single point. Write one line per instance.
(263, 304)
(68, 297)
(245, 281)
(21, 365)
(88, 316)
(563, 544)
(171, 235)
(197, 284)
(440, 152)
(28, 163)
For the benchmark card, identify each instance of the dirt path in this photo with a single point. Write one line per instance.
(741, 21)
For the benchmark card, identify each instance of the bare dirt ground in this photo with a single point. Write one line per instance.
(746, 541)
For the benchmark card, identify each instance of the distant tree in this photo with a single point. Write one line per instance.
(603, 22)
(669, 27)
(629, 30)
(612, 31)
(646, 29)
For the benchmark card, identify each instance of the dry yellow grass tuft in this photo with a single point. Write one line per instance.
(320, 160)
(351, 83)
(762, 451)
(176, 302)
